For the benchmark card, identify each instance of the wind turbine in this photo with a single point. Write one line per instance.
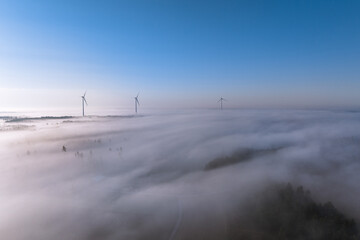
(83, 100)
(221, 102)
(136, 102)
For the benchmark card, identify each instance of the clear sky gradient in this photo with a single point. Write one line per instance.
(180, 53)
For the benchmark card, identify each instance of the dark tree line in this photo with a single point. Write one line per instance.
(286, 213)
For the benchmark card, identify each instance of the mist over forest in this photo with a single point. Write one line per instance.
(232, 174)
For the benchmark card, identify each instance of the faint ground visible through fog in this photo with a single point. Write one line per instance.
(145, 177)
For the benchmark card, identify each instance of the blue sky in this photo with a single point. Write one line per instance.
(254, 53)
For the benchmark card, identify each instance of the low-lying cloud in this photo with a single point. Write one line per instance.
(145, 177)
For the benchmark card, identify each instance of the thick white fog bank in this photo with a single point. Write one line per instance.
(144, 177)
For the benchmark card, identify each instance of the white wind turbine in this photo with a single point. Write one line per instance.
(83, 100)
(221, 102)
(136, 102)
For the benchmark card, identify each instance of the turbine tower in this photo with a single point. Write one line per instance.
(221, 102)
(136, 102)
(83, 100)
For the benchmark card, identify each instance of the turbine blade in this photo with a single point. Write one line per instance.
(137, 101)
(137, 95)
(85, 93)
(85, 101)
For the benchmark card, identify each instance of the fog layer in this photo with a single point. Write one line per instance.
(145, 177)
